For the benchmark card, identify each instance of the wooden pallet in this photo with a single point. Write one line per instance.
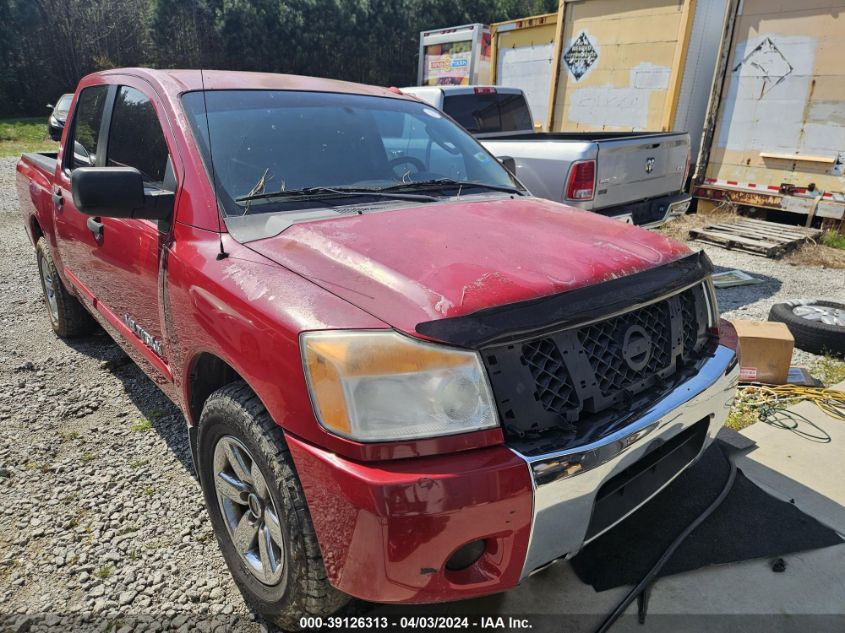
(768, 239)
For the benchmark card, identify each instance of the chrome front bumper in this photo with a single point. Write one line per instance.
(566, 483)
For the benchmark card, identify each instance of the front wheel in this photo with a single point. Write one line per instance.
(258, 510)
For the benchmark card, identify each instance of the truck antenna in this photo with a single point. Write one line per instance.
(222, 254)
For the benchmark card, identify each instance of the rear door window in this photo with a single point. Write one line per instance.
(86, 126)
(136, 138)
(486, 112)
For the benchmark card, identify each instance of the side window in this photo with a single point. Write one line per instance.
(86, 126)
(135, 137)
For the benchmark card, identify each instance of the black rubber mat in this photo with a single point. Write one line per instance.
(749, 524)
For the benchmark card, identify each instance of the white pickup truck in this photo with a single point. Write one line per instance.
(634, 176)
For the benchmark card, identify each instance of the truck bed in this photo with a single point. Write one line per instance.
(631, 167)
(34, 183)
(46, 161)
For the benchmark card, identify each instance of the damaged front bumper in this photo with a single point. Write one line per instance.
(388, 530)
(581, 492)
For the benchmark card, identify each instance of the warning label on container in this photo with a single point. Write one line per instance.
(748, 373)
(580, 56)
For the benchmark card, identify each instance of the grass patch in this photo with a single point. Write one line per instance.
(144, 424)
(104, 572)
(25, 135)
(68, 436)
(86, 458)
(829, 370)
(833, 239)
(138, 463)
(829, 252)
(740, 416)
(148, 491)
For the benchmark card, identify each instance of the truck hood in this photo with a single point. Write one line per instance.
(450, 259)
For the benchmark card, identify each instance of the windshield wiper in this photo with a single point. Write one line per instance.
(320, 193)
(449, 183)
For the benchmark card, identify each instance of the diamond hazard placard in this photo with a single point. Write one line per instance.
(580, 56)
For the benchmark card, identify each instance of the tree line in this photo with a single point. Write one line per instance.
(46, 46)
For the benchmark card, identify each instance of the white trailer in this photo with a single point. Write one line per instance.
(455, 56)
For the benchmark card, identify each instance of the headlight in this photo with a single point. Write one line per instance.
(53, 121)
(382, 386)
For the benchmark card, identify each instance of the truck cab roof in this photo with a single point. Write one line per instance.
(176, 81)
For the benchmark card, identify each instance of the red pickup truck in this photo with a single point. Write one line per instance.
(405, 379)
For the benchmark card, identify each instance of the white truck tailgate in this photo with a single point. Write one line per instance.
(640, 167)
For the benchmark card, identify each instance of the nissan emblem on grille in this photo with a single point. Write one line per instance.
(649, 164)
(636, 347)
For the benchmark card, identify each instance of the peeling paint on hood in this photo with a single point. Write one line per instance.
(452, 259)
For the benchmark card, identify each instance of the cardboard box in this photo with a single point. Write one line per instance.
(765, 351)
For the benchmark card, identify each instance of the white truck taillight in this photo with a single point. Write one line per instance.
(581, 183)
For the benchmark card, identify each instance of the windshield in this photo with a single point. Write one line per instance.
(266, 142)
(63, 104)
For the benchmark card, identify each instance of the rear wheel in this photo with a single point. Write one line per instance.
(258, 510)
(68, 317)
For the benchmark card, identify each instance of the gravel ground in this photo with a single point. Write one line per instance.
(102, 520)
(102, 524)
(781, 282)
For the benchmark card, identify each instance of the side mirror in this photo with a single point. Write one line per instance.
(50, 106)
(118, 192)
(508, 163)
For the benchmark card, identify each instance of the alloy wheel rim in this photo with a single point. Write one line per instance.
(49, 290)
(822, 314)
(250, 514)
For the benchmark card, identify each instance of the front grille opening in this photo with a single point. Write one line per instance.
(626, 490)
(576, 385)
(553, 384)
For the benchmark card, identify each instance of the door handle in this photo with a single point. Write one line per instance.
(57, 198)
(96, 227)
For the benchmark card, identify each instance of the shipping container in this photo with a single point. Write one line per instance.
(635, 65)
(776, 125)
(455, 56)
(522, 55)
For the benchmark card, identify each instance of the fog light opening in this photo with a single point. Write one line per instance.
(466, 555)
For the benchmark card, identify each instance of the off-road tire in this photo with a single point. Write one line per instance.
(811, 336)
(303, 589)
(71, 318)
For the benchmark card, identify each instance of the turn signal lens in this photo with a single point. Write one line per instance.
(376, 386)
